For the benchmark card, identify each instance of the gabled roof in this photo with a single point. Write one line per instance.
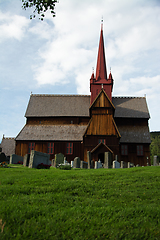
(99, 95)
(78, 105)
(71, 132)
(100, 145)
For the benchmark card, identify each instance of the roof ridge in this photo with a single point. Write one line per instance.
(59, 95)
(128, 97)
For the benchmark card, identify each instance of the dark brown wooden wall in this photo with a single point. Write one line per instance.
(90, 142)
(59, 147)
(57, 120)
(132, 154)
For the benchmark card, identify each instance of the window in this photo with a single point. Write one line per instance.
(102, 140)
(31, 147)
(50, 149)
(124, 150)
(69, 148)
(139, 150)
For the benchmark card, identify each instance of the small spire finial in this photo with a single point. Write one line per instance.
(110, 69)
(92, 69)
(102, 23)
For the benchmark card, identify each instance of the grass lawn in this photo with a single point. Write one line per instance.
(80, 203)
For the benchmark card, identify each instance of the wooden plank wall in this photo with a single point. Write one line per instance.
(132, 155)
(59, 147)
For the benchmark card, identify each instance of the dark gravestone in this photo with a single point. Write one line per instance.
(59, 159)
(14, 159)
(89, 159)
(83, 164)
(37, 158)
(2, 157)
(76, 163)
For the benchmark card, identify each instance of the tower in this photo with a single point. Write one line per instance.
(100, 80)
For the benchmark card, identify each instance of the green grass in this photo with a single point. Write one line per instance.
(80, 204)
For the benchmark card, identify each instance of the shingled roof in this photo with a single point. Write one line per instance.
(78, 105)
(134, 134)
(8, 146)
(71, 132)
(130, 107)
(58, 105)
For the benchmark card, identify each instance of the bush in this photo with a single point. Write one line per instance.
(43, 166)
(3, 165)
(20, 162)
(65, 167)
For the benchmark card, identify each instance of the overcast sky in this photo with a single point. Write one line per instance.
(56, 56)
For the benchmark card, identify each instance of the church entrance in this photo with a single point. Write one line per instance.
(101, 157)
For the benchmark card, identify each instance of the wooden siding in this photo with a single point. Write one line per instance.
(90, 142)
(59, 147)
(102, 101)
(102, 125)
(58, 120)
(132, 154)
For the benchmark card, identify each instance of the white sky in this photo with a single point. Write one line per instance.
(56, 56)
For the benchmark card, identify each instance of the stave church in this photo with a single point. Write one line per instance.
(99, 122)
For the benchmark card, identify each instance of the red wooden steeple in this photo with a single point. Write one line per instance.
(101, 72)
(101, 81)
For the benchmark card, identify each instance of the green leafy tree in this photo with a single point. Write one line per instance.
(40, 7)
(155, 146)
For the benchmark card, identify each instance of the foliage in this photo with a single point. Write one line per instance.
(64, 167)
(86, 204)
(155, 145)
(40, 7)
(20, 162)
(3, 165)
(43, 166)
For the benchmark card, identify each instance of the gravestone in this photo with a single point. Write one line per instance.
(53, 162)
(2, 157)
(92, 164)
(129, 165)
(72, 164)
(99, 164)
(116, 164)
(14, 159)
(59, 159)
(76, 163)
(95, 165)
(83, 164)
(26, 160)
(107, 160)
(124, 164)
(89, 159)
(155, 161)
(37, 158)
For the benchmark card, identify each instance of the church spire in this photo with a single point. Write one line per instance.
(101, 72)
(100, 79)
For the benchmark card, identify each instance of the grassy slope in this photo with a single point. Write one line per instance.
(80, 204)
